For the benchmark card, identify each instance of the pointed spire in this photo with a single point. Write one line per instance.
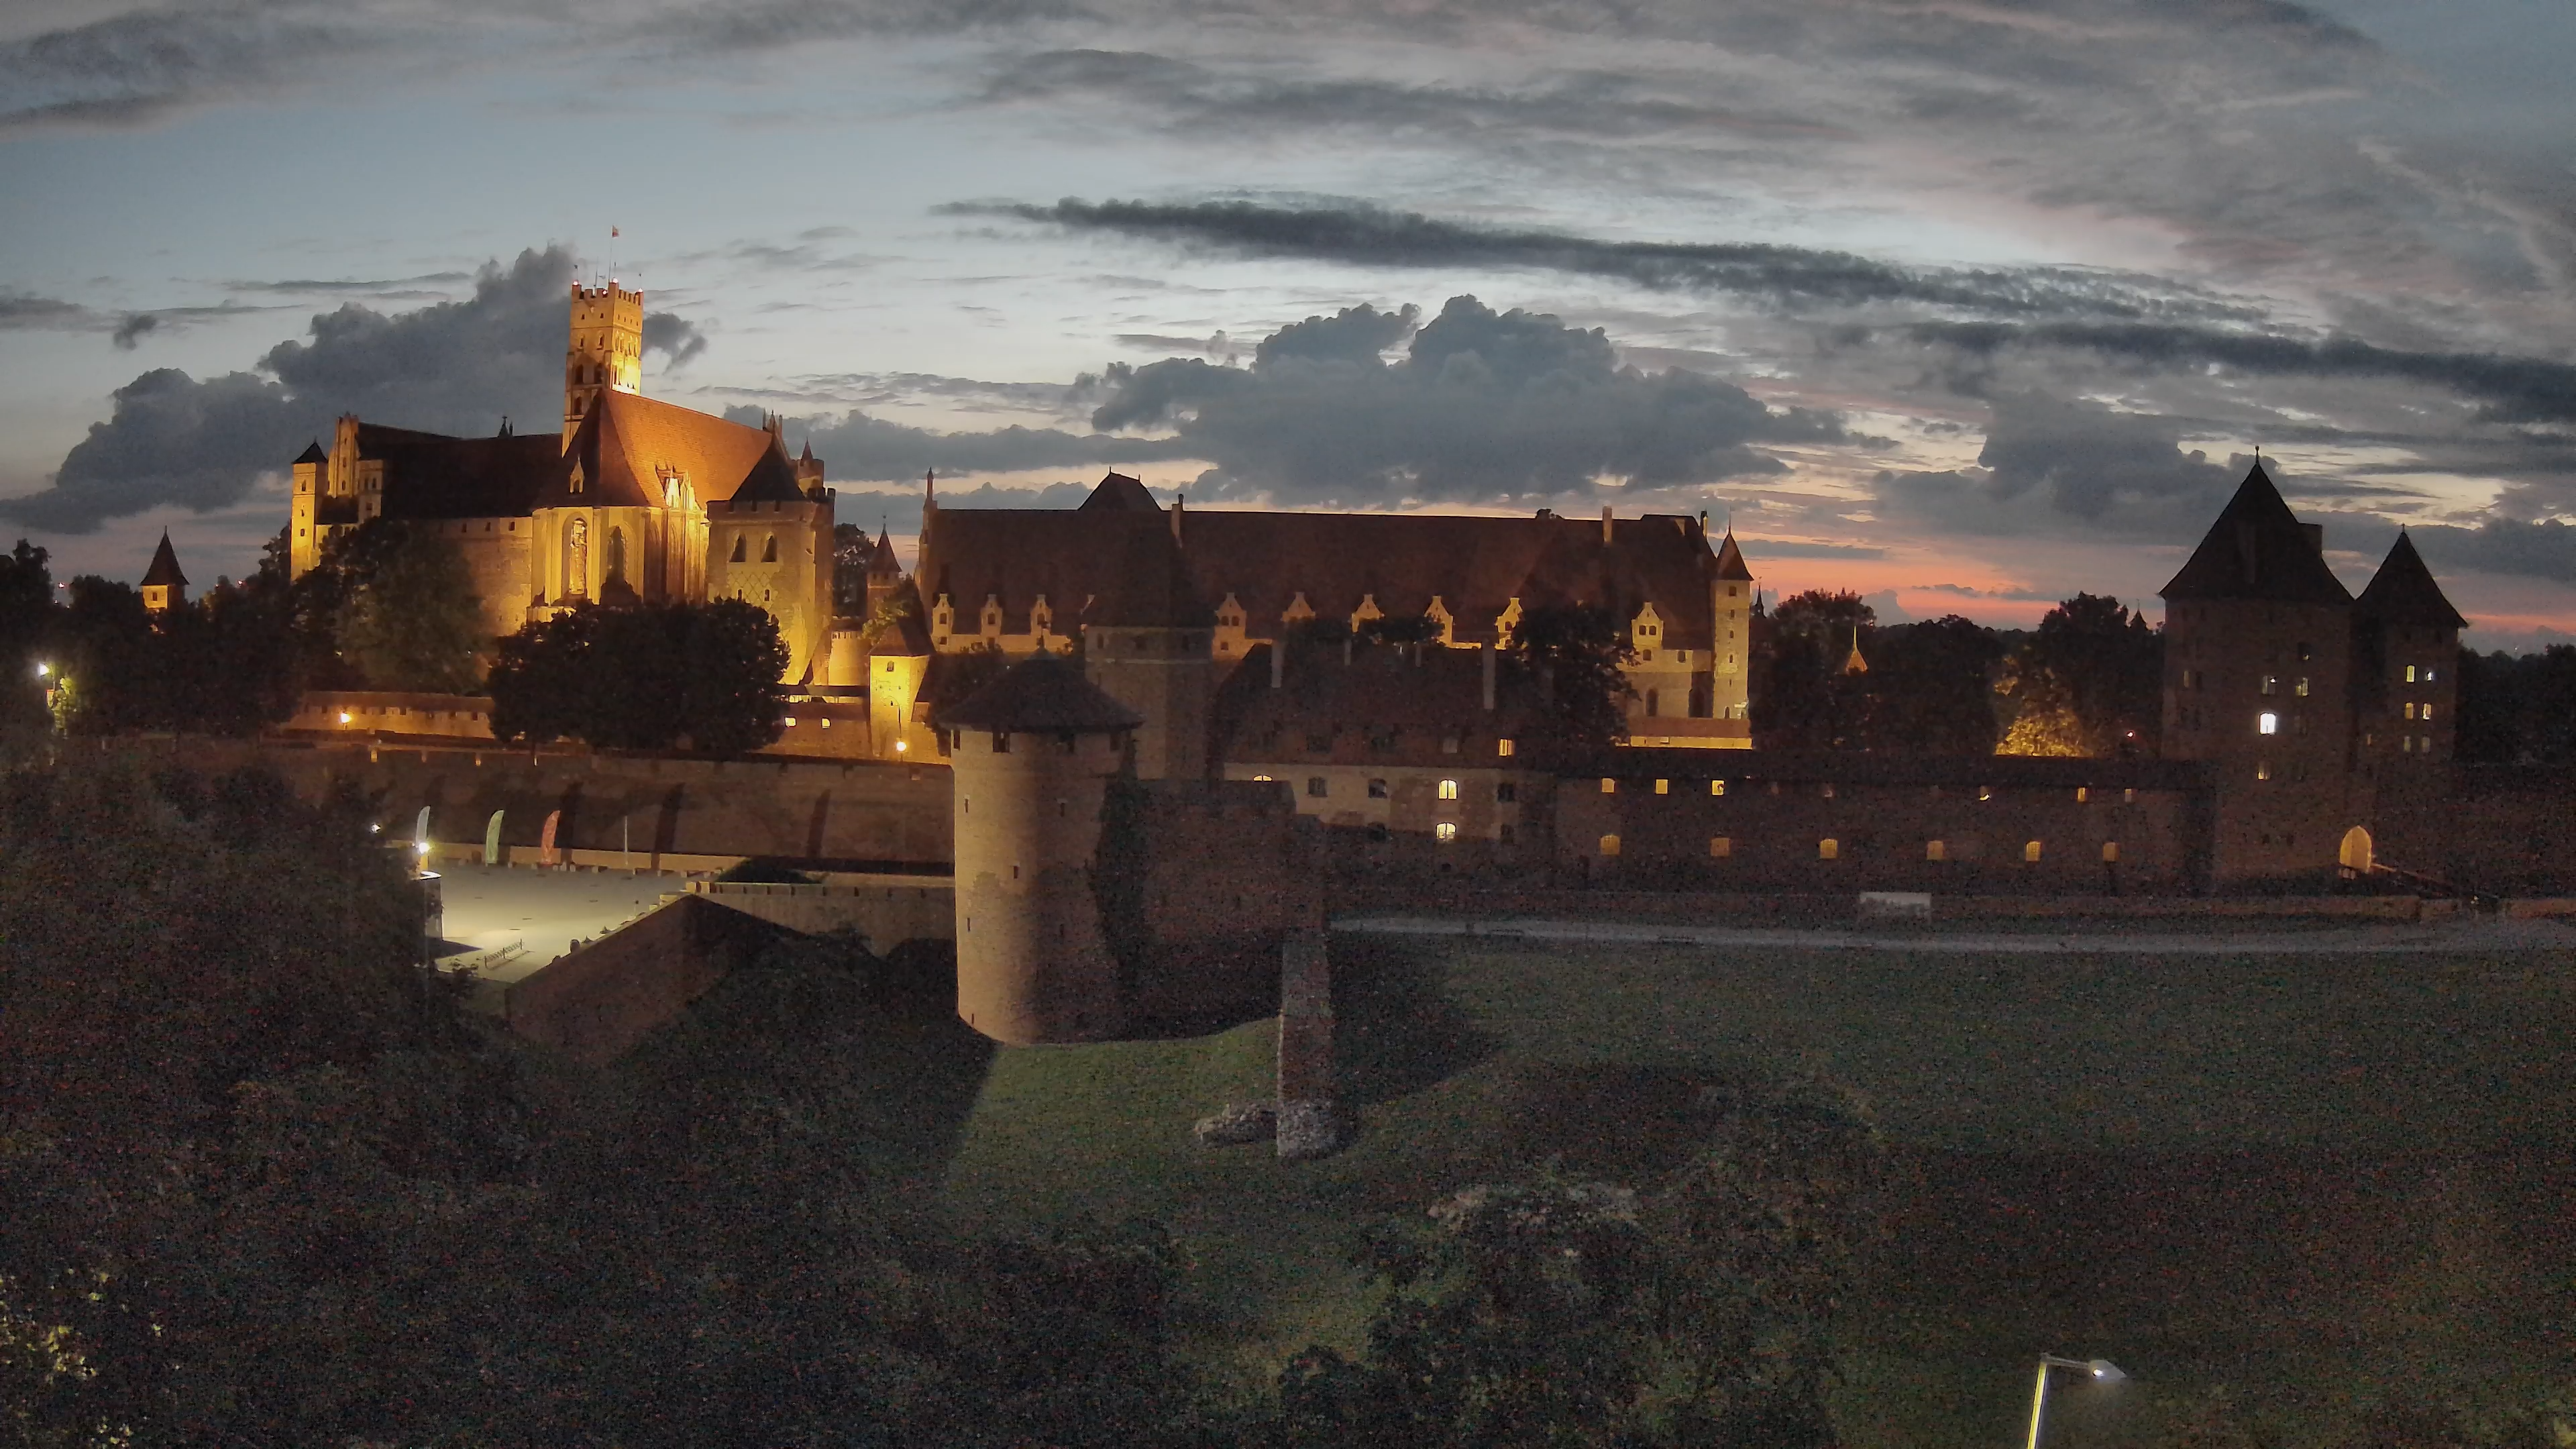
(164, 572)
(1730, 561)
(1855, 664)
(929, 489)
(2257, 549)
(2403, 592)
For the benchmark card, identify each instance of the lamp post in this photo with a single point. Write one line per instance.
(2101, 1369)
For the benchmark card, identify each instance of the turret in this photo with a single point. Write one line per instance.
(2406, 642)
(1733, 597)
(1033, 756)
(164, 587)
(606, 350)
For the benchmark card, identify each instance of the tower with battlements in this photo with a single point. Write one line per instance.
(606, 351)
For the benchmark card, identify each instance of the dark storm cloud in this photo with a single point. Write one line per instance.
(2512, 389)
(425, 285)
(453, 367)
(2543, 550)
(130, 332)
(2054, 467)
(1481, 407)
(1781, 275)
(20, 312)
(754, 25)
(133, 68)
(865, 449)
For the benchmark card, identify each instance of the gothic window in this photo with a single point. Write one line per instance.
(741, 545)
(616, 563)
(1448, 789)
(769, 549)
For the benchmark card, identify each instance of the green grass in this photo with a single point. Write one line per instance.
(2293, 1183)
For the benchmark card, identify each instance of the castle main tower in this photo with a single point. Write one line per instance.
(1033, 756)
(606, 353)
(1731, 649)
(1149, 644)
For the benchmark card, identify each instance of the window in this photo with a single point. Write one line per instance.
(1448, 789)
(2405, 744)
(1503, 832)
(1507, 792)
(616, 572)
(1829, 849)
(2305, 653)
(2267, 723)
(2410, 674)
(1377, 789)
(1720, 847)
(1449, 743)
(2129, 797)
(1717, 787)
(1936, 850)
(1985, 792)
(1663, 787)
(2262, 769)
(1001, 742)
(2030, 851)
(741, 549)
(1654, 697)
(2301, 688)
(1609, 847)
(1828, 791)
(1317, 786)
(2080, 794)
(2428, 674)
(2110, 852)
(2271, 683)
(1445, 830)
(2424, 744)
(1503, 748)
(1609, 786)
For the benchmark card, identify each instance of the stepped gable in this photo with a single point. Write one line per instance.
(2404, 594)
(1149, 585)
(1119, 493)
(772, 479)
(1474, 564)
(164, 572)
(629, 442)
(1730, 561)
(433, 476)
(1044, 694)
(2258, 550)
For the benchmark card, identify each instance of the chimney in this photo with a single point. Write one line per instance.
(1488, 651)
(1605, 525)
(1279, 660)
(1177, 500)
(2316, 533)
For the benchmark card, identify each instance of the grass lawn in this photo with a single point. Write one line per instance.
(2290, 1183)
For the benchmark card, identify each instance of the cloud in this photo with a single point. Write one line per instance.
(1779, 275)
(136, 67)
(2055, 467)
(756, 25)
(451, 367)
(856, 446)
(2513, 389)
(22, 312)
(1482, 406)
(129, 331)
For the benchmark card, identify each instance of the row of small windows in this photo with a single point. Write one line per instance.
(1319, 787)
(1825, 790)
(1722, 847)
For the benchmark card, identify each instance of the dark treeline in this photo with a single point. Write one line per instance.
(2518, 710)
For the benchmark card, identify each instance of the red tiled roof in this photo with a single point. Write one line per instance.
(1475, 565)
(629, 442)
(1043, 693)
(432, 475)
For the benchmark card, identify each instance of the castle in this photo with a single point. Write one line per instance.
(637, 501)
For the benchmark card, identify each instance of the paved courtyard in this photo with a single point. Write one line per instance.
(505, 922)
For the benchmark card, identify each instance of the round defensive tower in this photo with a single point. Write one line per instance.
(1032, 756)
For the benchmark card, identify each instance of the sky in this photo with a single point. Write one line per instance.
(1965, 305)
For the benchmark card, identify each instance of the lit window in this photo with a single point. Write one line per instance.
(1448, 789)
(2110, 852)
(1609, 847)
(2424, 745)
(1829, 849)
(2406, 744)
(1717, 787)
(1263, 779)
(791, 721)
(1503, 748)
(2262, 769)
(2129, 797)
(2030, 850)
(1663, 787)
(2428, 674)
(1829, 790)
(2271, 683)
(1936, 850)
(2410, 709)
(2410, 674)
(2425, 713)
(2267, 723)
(1609, 786)
(1445, 830)
(1720, 847)
(2302, 686)
(1985, 792)
(2081, 794)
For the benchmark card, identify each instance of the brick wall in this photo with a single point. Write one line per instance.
(595, 1002)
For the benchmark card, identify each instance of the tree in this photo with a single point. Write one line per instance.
(1931, 688)
(660, 676)
(408, 618)
(2092, 679)
(1574, 653)
(1803, 700)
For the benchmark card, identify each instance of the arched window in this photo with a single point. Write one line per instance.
(615, 572)
(1448, 789)
(769, 549)
(2030, 851)
(1829, 849)
(577, 559)
(740, 545)
(1609, 847)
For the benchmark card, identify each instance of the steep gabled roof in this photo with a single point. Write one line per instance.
(1730, 561)
(2403, 593)
(313, 453)
(1119, 493)
(1043, 694)
(629, 442)
(164, 572)
(1474, 564)
(1148, 582)
(2258, 550)
(771, 479)
(432, 475)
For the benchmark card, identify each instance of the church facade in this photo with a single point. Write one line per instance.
(635, 501)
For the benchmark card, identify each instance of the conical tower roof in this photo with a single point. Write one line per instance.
(2258, 550)
(164, 572)
(313, 453)
(1730, 560)
(1854, 663)
(2403, 592)
(1038, 696)
(882, 564)
(771, 479)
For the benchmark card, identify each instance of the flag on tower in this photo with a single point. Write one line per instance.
(612, 232)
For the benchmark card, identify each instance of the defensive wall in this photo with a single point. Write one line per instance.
(886, 910)
(653, 812)
(828, 723)
(595, 1001)
(1230, 870)
(2507, 830)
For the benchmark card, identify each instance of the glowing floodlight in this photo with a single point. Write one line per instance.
(44, 669)
(2100, 1370)
(344, 716)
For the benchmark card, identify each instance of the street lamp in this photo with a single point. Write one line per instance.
(43, 669)
(2102, 1371)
